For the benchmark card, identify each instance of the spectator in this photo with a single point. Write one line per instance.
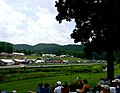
(118, 76)
(80, 90)
(65, 88)
(116, 83)
(97, 88)
(53, 87)
(72, 87)
(46, 88)
(58, 88)
(80, 86)
(105, 89)
(113, 90)
(40, 88)
(107, 81)
(86, 86)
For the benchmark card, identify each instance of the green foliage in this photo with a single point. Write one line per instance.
(117, 57)
(97, 20)
(6, 47)
(2, 78)
(87, 69)
(75, 50)
(27, 73)
(22, 86)
(97, 69)
(50, 48)
(96, 25)
(23, 82)
(25, 51)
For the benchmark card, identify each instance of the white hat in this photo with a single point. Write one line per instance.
(59, 83)
(14, 91)
(106, 87)
(116, 80)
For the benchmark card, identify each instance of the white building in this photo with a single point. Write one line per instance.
(8, 61)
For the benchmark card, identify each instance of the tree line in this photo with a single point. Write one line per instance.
(8, 48)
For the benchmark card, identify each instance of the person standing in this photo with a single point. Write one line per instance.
(59, 87)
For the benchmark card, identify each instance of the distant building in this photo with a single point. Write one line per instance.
(18, 54)
(48, 55)
(40, 61)
(8, 61)
(11, 54)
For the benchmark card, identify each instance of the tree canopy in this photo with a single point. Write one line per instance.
(6, 47)
(97, 24)
(93, 20)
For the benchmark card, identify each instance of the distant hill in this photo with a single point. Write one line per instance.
(76, 50)
(73, 47)
(22, 46)
(49, 48)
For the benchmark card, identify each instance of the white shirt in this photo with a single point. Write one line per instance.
(58, 89)
(112, 89)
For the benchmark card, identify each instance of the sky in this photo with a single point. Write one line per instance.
(32, 22)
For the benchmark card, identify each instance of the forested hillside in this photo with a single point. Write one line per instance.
(75, 50)
(49, 48)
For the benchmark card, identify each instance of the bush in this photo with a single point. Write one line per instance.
(2, 77)
(27, 73)
(97, 69)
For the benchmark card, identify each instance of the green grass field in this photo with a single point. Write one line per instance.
(22, 86)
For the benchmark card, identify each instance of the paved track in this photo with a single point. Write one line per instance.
(56, 65)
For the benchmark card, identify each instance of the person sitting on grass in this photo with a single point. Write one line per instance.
(98, 88)
(105, 89)
(86, 86)
(79, 87)
(46, 88)
(65, 88)
(72, 87)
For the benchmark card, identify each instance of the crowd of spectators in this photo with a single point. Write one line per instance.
(104, 85)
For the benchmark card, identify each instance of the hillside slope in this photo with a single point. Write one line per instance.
(49, 48)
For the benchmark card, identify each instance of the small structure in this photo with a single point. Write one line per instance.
(18, 54)
(8, 61)
(39, 61)
(21, 61)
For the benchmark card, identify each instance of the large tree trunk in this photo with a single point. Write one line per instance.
(109, 24)
(110, 64)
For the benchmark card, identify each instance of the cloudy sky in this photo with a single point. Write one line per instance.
(32, 22)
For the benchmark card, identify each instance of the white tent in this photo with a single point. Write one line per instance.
(8, 61)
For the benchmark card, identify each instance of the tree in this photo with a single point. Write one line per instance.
(2, 47)
(6, 47)
(97, 25)
(117, 57)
